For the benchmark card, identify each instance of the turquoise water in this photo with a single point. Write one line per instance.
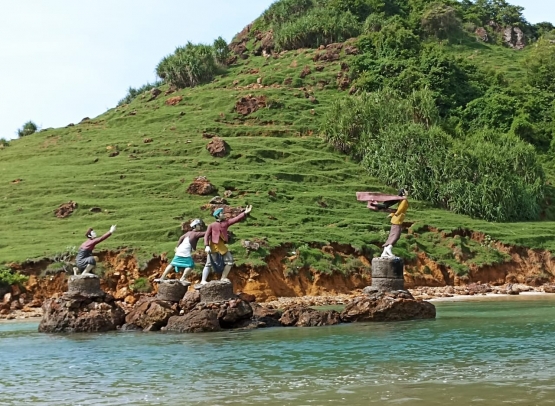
(487, 352)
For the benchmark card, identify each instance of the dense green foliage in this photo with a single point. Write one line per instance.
(192, 64)
(490, 175)
(132, 92)
(8, 277)
(311, 23)
(28, 128)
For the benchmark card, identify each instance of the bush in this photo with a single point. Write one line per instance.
(441, 21)
(491, 176)
(192, 64)
(541, 66)
(4, 143)
(320, 26)
(28, 128)
(132, 93)
(8, 277)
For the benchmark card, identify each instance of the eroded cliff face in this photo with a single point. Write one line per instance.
(531, 267)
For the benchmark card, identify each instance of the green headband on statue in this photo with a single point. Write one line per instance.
(217, 212)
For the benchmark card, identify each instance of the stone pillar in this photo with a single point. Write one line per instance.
(171, 291)
(85, 285)
(216, 291)
(387, 274)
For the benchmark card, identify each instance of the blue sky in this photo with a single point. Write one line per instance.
(62, 60)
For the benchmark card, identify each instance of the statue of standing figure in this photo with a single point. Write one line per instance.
(219, 257)
(185, 246)
(85, 260)
(383, 202)
(397, 218)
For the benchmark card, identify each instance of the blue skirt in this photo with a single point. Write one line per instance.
(182, 262)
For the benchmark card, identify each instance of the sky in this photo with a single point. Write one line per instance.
(63, 60)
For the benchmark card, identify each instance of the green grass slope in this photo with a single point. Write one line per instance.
(303, 191)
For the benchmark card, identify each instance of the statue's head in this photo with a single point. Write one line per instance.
(90, 234)
(219, 214)
(197, 224)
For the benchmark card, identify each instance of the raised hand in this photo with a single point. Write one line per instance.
(248, 209)
(112, 229)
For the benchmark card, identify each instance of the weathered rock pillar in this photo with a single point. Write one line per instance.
(387, 274)
(171, 291)
(85, 285)
(216, 291)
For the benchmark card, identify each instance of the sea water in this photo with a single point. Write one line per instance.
(479, 352)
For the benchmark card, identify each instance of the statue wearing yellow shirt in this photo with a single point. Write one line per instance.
(382, 202)
(397, 218)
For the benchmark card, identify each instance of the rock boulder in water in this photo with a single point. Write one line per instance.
(80, 315)
(200, 321)
(151, 314)
(301, 316)
(380, 305)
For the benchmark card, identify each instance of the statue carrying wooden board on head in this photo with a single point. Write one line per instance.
(383, 202)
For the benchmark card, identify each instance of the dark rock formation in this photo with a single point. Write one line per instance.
(381, 305)
(514, 37)
(300, 316)
(201, 186)
(200, 321)
(232, 314)
(150, 314)
(217, 147)
(265, 316)
(189, 302)
(82, 309)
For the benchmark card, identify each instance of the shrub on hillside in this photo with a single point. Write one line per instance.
(192, 64)
(4, 143)
(132, 93)
(491, 176)
(28, 128)
(441, 21)
(541, 66)
(320, 26)
(8, 277)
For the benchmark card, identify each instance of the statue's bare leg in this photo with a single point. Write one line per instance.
(168, 269)
(186, 273)
(88, 269)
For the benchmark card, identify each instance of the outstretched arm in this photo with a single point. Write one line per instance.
(240, 217)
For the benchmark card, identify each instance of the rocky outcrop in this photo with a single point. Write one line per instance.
(379, 305)
(249, 104)
(65, 209)
(201, 186)
(151, 314)
(514, 37)
(300, 316)
(217, 147)
(201, 321)
(81, 310)
(265, 316)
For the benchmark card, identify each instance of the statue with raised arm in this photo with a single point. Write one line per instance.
(84, 260)
(215, 239)
(185, 246)
(383, 202)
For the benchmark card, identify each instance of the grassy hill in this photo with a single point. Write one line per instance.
(302, 190)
